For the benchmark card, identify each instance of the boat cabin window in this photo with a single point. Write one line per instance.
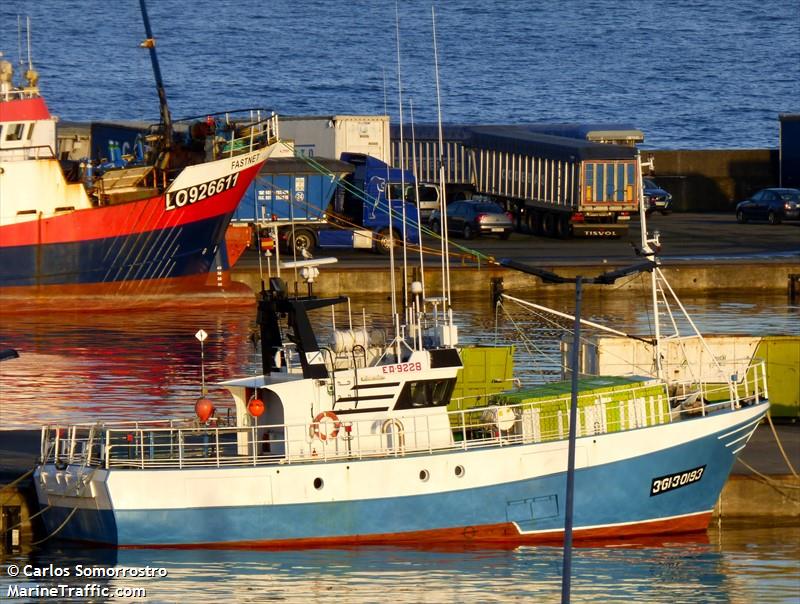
(30, 131)
(14, 132)
(425, 393)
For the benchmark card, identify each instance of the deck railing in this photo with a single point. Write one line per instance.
(187, 443)
(248, 133)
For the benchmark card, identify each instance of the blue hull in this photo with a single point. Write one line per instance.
(183, 251)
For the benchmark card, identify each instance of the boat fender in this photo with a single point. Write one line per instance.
(317, 429)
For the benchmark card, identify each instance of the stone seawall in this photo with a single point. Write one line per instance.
(696, 279)
(714, 179)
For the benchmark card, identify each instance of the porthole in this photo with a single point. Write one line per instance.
(318, 484)
(424, 475)
(459, 470)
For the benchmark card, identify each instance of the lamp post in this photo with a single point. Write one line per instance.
(550, 277)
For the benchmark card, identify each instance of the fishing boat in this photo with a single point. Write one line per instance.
(359, 441)
(124, 234)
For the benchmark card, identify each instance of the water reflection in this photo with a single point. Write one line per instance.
(146, 365)
(735, 565)
(143, 365)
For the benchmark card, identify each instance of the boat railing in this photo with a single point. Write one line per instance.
(248, 134)
(25, 151)
(8, 93)
(187, 443)
(737, 382)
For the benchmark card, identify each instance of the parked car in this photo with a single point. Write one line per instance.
(471, 217)
(774, 205)
(656, 198)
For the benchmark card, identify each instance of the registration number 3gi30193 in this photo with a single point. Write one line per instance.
(195, 193)
(662, 484)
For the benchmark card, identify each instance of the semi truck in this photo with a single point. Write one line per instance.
(553, 185)
(327, 203)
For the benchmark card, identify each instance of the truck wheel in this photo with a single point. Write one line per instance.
(535, 222)
(563, 227)
(549, 224)
(302, 239)
(382, 242)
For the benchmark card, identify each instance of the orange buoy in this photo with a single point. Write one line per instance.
(203, 407)
(255, 407)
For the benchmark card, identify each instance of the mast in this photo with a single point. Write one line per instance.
(402, 160)
(650, 253)
(166, 118)
(443, 197)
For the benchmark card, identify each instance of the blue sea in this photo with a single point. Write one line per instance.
(690, 75)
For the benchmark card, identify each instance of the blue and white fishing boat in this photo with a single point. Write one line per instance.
(354, 443)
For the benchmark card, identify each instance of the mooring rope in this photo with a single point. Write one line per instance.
(15, 482)
(780, 446)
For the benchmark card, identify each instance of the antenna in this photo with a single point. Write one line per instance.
(416, 194)
(19, 40)
(402, 158)
(442, 202)
(28, 23)
(387, 197)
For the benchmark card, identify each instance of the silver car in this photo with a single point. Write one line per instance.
(471, 218)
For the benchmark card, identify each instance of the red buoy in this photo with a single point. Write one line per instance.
(203, 407)
(255, 407)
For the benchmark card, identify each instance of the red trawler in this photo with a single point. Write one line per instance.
(133, 235)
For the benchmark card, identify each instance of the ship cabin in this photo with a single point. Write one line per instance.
(33, 184)
(383, 396)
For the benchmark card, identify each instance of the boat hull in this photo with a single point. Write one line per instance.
(138, 248)
(501, 495)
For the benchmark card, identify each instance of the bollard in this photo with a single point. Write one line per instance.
(794, 288)
(496, 289)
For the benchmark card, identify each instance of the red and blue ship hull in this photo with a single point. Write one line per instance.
(135, 248)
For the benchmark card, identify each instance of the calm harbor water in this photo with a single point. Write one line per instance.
(734, 565)
(144, 365)
(705, 74)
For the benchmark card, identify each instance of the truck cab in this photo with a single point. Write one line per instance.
(362, 202)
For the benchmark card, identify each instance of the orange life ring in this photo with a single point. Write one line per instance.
(316, 426)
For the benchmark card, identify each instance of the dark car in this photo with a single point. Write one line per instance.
(774, 205)
(474, 217)
(656, 198)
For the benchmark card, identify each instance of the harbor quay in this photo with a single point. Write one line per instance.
(702, 254)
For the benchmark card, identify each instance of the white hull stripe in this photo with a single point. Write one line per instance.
(753, 423)
(612, 525)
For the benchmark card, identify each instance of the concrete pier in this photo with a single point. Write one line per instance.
(701, 254)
